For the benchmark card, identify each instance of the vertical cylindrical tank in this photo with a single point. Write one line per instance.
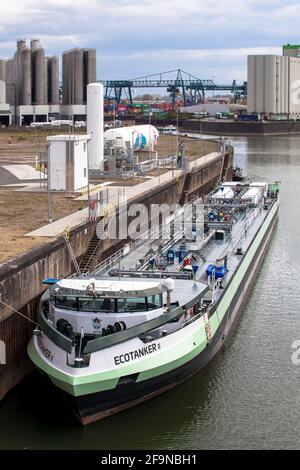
(89, 69)
(95, 125)
(3, 70)
(21, 45)
(2, 92)
(78, 76)
(286, 84)
(39, 76)
(282, 87)
(278, 84)
(2, 81)
(34, 45)
(26, 76)
(46, 81)
(53, 88)
(260, 84)
(251, 84)
(65, 83)
(19, 70)
(11, 88)
(271, 90)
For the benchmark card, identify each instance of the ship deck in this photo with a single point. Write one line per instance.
(215, 249)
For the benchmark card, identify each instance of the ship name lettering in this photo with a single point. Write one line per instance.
(130, 356)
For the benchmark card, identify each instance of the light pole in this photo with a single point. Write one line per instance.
(49, 185)
(177, 139)
(88, 178)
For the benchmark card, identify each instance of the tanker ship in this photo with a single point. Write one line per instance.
(156, 312)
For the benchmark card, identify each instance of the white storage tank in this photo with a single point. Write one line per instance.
(262, 185)
(95, 125)
(224, 193)
(138, 137)
(254, 194)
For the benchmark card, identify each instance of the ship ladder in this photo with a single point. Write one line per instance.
(72, 254)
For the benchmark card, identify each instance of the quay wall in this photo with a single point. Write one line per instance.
(231, 128)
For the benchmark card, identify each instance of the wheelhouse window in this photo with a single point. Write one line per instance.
(154, 301)
(134, 304)
(67, 302)
(97, 305)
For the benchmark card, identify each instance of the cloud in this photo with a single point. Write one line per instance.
(223, 64)
(146, 36)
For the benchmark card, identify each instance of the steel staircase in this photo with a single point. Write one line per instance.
(90, 255)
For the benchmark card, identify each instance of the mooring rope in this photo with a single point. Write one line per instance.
(19, 313)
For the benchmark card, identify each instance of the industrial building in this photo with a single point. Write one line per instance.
(273, 85)
(78, 70)
(68, 162)
(30, 89)
(290, 50)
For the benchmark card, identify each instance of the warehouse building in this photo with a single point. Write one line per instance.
(274, 85)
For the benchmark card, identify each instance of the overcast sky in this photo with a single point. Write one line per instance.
(206, 38)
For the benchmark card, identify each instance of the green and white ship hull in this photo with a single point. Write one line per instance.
(120, 370)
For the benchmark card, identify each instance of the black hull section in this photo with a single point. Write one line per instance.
(92, 407)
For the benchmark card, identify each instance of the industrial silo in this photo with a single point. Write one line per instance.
(34, 45)
(78, 76)
(89, 69)
(40, 76)
(53, 88)
(3, 70)
(271, 67)
(286, 85)
(65, 81)
(68, 76)
(26, 77)
(2, 81)
(11, 88)
(46, 92)
(19, 69)
(91, 66)
(260, 84)
(251, 84)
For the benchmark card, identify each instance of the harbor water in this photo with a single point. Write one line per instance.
(246, 398)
